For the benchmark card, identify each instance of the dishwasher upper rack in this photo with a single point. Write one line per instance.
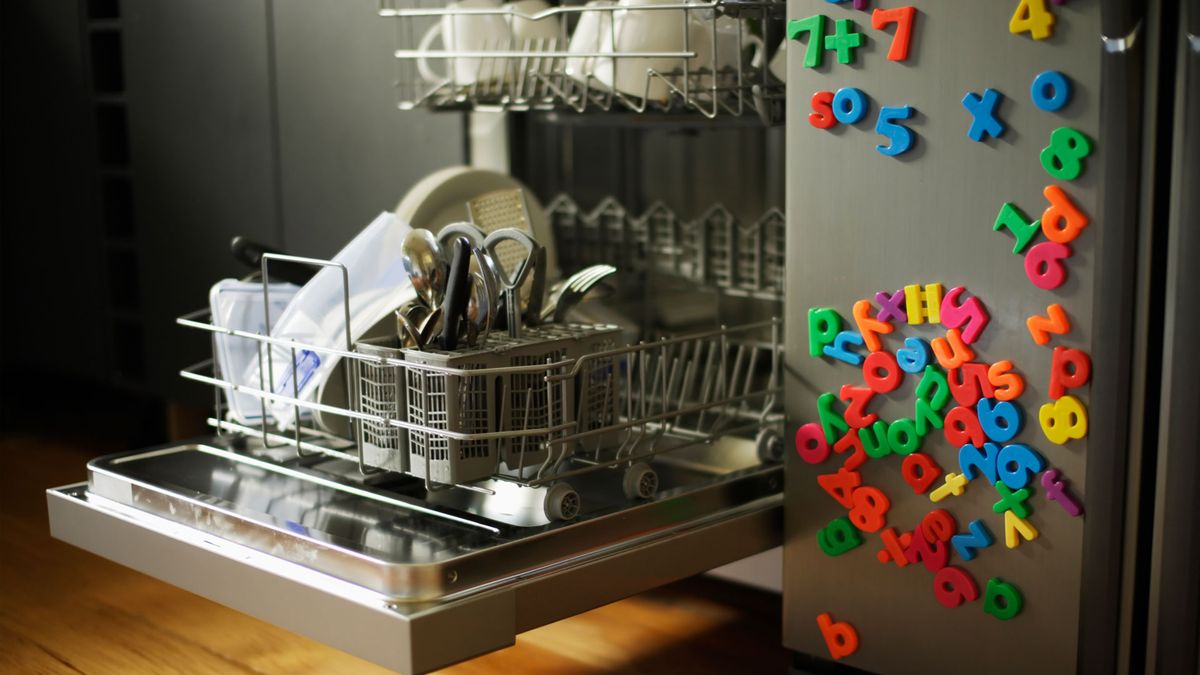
(718, 67)
(667, 394)
(716, 249)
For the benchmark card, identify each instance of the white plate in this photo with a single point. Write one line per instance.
(441, 198)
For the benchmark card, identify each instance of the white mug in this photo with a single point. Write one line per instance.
(530, 35)
(465, 32)
(664, 31)
(593, 33)
(778, 64)
(724, 54)
(636, 30)
(488, 32)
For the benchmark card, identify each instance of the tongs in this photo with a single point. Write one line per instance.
(511, 280)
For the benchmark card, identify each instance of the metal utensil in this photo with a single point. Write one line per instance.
(511, 279)
(574, 289)
(430, 326)
(458, 292)
(485, 295)
(425, 263)
(449, 233)
(537, 288)
(416, 311)
(407, 332)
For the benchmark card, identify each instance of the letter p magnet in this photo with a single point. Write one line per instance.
(823, 326)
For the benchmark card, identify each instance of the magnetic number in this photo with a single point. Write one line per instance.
(1011, 219)
(841, 485)
(953, 586)
(903, 18)
(870, 507)
(1000, 420)
(1064, 420)
(1044, 267)
(1063, 158)
(1033, 17)
(901, 137)
(962, 428)
(815, 27)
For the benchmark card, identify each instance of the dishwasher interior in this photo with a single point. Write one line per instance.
(420, 480)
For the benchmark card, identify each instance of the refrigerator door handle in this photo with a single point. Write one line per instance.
(1120, 23)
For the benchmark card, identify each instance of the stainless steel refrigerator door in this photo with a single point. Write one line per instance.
(860, 222)
(1173, 625)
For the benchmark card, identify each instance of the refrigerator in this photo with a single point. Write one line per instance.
(931, 177)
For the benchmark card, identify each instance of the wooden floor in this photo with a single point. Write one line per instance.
(63, 610)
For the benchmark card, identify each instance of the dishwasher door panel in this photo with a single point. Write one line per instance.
(412, 585)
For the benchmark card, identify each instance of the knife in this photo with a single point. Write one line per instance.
(458, 292)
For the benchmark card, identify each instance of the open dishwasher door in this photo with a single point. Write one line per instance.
(410, 579)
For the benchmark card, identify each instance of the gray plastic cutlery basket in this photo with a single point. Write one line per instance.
(456, 402)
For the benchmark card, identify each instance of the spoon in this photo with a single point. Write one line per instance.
(425, 263)
(430, 326)
(485, 294)
(404, 329)
(407, 330)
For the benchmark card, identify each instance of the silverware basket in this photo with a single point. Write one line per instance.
(381, 396)
(707, 57)
(510, 395)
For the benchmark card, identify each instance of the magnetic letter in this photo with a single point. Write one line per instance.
(838, 537)
(920, 471)
(870, 328)
(966, 545)
(971, 316)
(811, 444)
(951, 351)
(1055, 321)
(1056, 491)
(983, 113)
(840, 637)
(1002, 600)
(914, 355)
(823, 326)
(919, 308)
(1069, 369)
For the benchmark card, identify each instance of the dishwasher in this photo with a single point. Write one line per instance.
(448, 497)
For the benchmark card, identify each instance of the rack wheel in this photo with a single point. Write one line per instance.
(562, 502)
(769, 445)
(640, 482)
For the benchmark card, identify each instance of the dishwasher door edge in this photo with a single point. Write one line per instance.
(408, 638)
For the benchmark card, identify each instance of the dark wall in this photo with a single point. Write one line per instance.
(139, 136)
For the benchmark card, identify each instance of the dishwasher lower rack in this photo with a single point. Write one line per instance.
(542, 411)
(642, 56)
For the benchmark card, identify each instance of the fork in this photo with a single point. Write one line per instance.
(574, 289)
